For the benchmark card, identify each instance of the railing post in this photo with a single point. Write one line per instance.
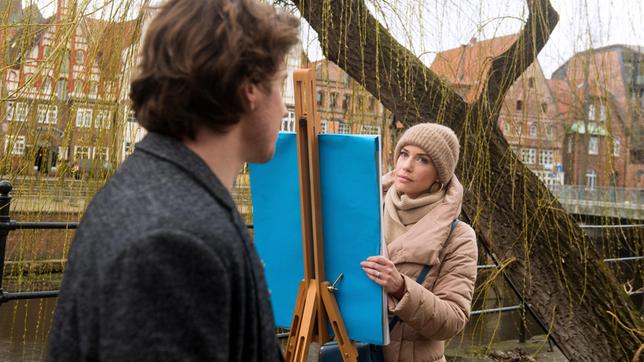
(5, 203)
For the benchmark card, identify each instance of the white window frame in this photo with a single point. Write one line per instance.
(602, 112)
(47, 114)
(97, 152)
(370, 129)
(344, 128)
(593, 145)
(102, 119)
(323, 126)
(533, 130)
(86, 150)
(11, 108)
(17, 144)
(591, 112)
(616, 146)
(529, 156)
(83, 118)
(288, 122)
(546, 157)
(591, 179)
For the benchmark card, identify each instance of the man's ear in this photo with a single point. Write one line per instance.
(250, 92)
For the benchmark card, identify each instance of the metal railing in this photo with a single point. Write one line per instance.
(7, 225)
(629, 197)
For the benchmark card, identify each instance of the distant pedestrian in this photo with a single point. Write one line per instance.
(162, 267)
(431, 270)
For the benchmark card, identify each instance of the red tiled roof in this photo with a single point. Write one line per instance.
(468, 65)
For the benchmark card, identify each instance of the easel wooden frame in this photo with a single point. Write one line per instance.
(315, 303)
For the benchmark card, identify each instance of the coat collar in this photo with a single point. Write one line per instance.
(174, 151)
(423, 242)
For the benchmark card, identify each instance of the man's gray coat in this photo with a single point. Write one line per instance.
(162, 269)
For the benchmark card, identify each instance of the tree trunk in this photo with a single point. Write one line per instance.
(547, 256)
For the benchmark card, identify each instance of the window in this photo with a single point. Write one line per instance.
(370, 129)
(531, 82)
(533, 130)
(84, 117)
(47, 86)
(12, 81)
(61, 89)
(82, 153)
(47, 114)
(569, 149)
(545, 157)
(593, 146)
(345, 102)
(320, 99)
(80, 57)
(519, 105)
(21, 111)
(11, 107)
(102, 119)
(63, 153)
(591, 112)
(544, 107)
(602, 113)
(549, 132)
(93, 88)
(323, 126)
(101, 153)
(14, 145)
(616, 146)
(288, 122)
(591, 179)
(333, 99)
(64, 66)
(529, 156)
(343, 127)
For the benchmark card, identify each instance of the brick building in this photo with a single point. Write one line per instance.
(529, 118)
(610, 81)
(61, 86)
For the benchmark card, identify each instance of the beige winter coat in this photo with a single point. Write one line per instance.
(439, 308)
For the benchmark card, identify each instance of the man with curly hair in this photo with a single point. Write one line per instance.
(162, 267)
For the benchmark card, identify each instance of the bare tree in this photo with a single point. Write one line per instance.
(544, 253)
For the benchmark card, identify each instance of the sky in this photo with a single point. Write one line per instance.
(429, 26)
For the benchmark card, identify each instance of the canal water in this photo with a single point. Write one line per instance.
(25, 324)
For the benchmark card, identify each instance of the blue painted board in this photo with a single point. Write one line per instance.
(349, 187)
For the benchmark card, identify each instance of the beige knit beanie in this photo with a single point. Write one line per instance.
(440, 143)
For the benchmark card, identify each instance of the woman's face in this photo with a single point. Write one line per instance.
(415, 172)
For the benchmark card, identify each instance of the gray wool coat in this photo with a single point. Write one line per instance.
(162, 269)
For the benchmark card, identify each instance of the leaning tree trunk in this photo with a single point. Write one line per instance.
(544, 253)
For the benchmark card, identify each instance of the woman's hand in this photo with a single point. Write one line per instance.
(383, 271)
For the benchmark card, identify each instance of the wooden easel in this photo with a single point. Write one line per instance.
(315, 303)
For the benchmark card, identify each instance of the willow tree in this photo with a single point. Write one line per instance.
(538, 244)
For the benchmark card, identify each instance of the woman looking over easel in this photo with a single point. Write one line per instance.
(430, 273)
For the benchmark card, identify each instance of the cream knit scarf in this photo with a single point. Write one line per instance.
(402, 212)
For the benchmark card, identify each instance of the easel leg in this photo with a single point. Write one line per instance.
(296, 322)
(347, 348)
(305, 333)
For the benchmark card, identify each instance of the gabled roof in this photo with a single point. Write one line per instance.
(108, 39)
(25, 39)
(468, 65)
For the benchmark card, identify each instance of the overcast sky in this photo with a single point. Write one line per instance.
(427, 26)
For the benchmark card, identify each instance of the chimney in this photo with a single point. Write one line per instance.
(473, 41)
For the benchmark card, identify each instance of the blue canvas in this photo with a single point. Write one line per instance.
(351, 213)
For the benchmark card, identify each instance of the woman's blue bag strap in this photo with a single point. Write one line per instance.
(423, 274)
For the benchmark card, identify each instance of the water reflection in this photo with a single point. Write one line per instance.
(24, 327)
